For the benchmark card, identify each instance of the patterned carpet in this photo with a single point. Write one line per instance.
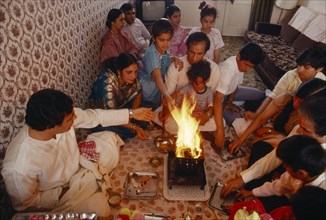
(232, 46)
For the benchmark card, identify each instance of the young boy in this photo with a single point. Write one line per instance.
(198, 75)
(228, 89)
(304, 159)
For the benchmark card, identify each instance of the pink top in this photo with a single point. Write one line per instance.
(112, 45)
(178, 43)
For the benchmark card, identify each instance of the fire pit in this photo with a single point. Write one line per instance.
(185, 171)
(186, 163)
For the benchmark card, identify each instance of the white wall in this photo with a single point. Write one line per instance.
(315, 5)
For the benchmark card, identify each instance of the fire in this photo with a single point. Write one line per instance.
(189, 139)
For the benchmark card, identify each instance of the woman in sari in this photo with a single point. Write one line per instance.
(117, 87)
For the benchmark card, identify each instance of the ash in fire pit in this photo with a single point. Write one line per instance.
(186, 171)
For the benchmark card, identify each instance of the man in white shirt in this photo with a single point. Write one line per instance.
(228, 89)
(312, 122)
(197, 45)
(43, 168)
(135, 28)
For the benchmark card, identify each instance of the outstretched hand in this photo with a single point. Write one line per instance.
(235, 145)
(242, 194)
(231, 185)
(143, 114)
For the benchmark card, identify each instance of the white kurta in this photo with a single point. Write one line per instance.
(35, 171)
(287, 185)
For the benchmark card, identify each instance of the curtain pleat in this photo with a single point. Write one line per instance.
(261, 11)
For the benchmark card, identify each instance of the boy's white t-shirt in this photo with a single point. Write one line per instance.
(230, 78)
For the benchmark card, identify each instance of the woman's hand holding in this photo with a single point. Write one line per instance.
(143, 114)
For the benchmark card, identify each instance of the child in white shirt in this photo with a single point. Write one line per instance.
(207, 19)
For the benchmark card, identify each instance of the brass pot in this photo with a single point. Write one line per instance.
(165, 143)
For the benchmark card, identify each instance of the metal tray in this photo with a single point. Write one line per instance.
(224, 153)
(141, 185)
(56, 216)
(216, 202)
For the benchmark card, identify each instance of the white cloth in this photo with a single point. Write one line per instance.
(172, 127)
(139, 34)
(230, 78)
(287, 185)
(302, 18)
(240, 125)
(214, 37)
(316, 30)
(36, 171)
(289, 82)
(175, 79)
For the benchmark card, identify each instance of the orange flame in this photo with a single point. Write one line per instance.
(189, 139)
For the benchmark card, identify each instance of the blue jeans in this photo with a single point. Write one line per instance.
(243, 94)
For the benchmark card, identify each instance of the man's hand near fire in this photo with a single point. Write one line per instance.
(218, 116)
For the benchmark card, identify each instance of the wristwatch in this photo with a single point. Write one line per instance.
(131, 114)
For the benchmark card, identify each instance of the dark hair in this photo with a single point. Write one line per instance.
(120, 62)
(47, 108)
(313, 107)
(197, 37)
(252, 52)
(310, 87)
(302, 152)
(207, 10)
(170, 10)
(161, 26)
(309, 203)
(314, 56)
(200, 69)
(126, 7)
(112, 16)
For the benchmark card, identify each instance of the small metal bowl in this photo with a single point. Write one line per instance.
(115, 199)
(165, 143)
(155, 161)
